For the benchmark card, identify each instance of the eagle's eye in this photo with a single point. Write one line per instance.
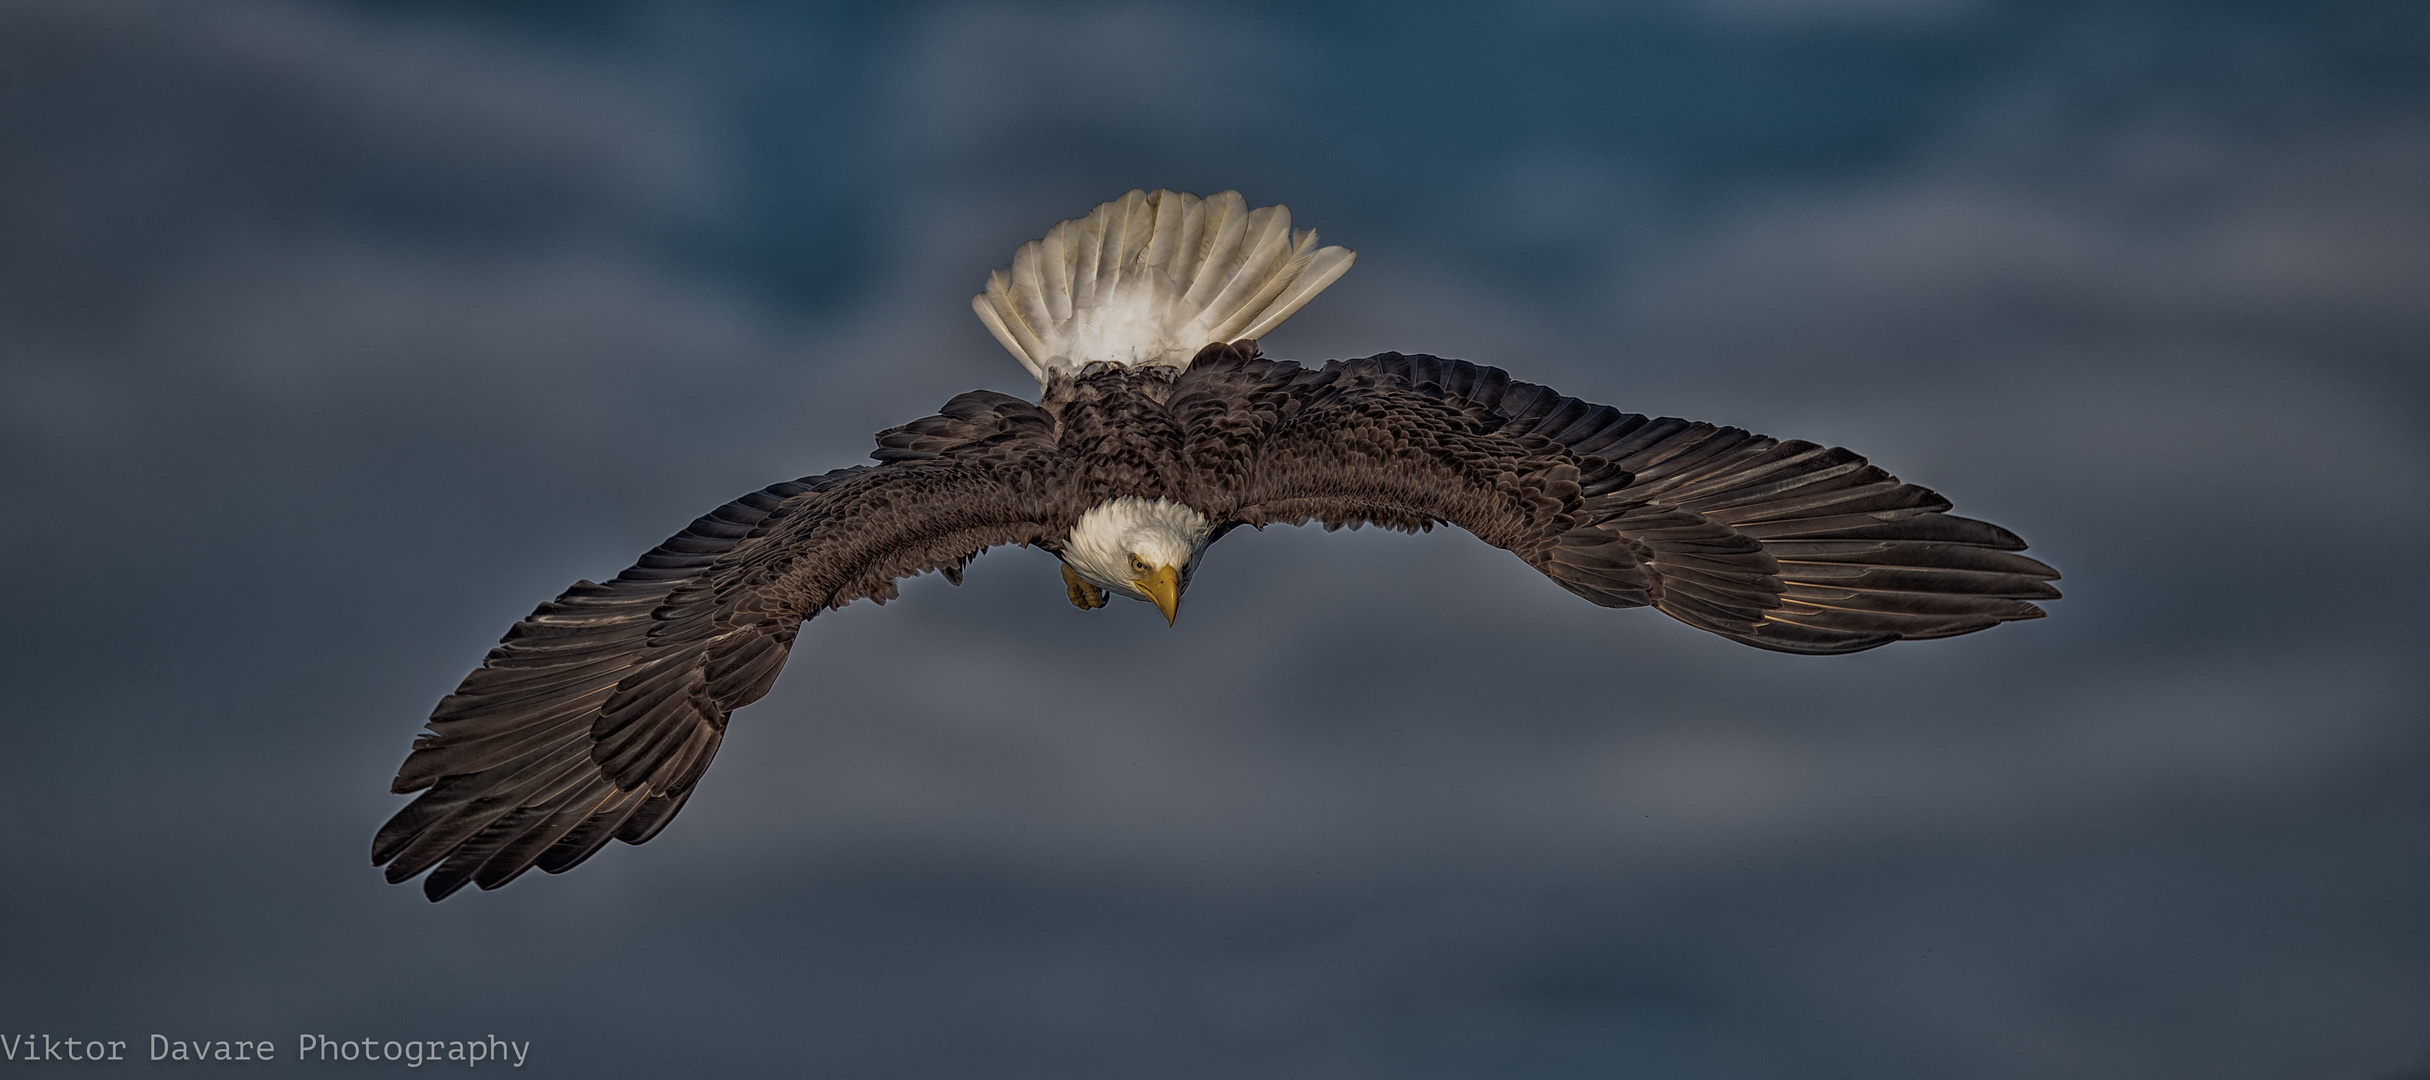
(1138, 564)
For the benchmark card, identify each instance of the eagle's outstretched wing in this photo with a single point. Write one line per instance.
(595, 716)
(1785, 545)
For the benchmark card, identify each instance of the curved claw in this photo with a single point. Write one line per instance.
(1084, 596)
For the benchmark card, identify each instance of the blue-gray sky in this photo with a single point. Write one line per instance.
(335, 336)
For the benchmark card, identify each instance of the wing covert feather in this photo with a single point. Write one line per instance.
(1782, 544)
(594, 717)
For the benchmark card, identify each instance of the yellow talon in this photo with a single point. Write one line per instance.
(1084, 596)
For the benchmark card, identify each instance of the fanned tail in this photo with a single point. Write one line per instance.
(1151, 278)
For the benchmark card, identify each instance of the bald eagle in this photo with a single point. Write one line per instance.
(1159, 427)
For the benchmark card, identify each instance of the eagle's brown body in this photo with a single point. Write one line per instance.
(596, 716)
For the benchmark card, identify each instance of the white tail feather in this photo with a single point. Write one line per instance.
(1151, 278)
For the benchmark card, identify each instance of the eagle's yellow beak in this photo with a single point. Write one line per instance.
(1163, 585)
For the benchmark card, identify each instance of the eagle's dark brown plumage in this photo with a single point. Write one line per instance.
(595, 717)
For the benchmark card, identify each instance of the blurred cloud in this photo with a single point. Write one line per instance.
(1033, 79)
(1806, 12)
(339, 336)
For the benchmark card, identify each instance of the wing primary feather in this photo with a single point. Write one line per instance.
(595, 717)
(1784, 544)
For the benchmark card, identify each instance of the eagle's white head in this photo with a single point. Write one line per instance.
(1144, 549)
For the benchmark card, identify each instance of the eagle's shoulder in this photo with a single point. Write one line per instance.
(973, 426)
